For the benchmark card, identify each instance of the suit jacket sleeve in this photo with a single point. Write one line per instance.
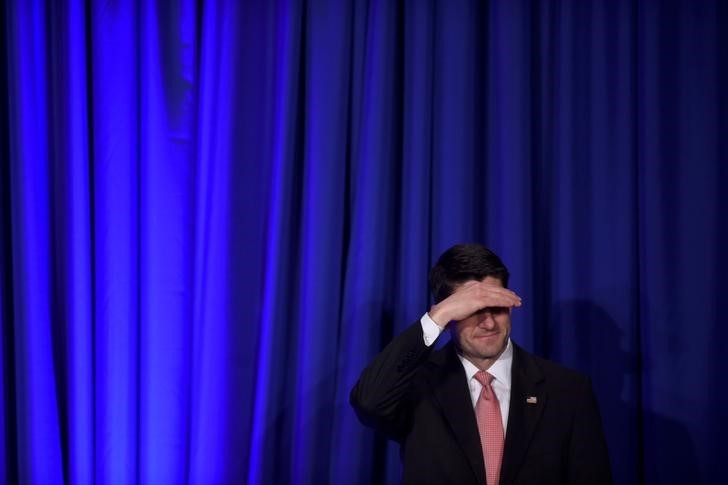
(589, 459)
(381, 396)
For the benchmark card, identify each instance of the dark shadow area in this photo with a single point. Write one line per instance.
(642, 443)
(10, 473)
(280, 444)
(332, 431)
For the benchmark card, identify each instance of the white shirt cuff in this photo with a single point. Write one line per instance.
(430, 330)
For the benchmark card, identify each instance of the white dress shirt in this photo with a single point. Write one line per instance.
(500, 369)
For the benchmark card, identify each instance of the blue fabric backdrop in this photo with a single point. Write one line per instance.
(213, 214)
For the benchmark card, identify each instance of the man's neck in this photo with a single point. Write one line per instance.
(483, 363)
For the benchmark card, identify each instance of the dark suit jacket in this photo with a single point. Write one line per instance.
(420, 398)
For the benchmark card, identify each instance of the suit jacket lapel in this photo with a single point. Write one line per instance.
(527, 404)
(450, 388)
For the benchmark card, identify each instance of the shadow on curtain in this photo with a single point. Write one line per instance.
(213, 214)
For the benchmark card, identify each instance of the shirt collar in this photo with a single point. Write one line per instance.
(500, 369)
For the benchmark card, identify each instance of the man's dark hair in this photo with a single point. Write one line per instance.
(461, 263)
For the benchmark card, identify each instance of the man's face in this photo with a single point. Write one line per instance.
(484, 334)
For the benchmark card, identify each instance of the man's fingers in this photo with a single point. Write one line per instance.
(471, 297)
(491, 295)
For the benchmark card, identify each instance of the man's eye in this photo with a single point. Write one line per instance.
(493, 310)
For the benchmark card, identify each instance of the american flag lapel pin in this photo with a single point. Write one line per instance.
(531, 400)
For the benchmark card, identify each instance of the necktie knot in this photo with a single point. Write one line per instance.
(484, 378)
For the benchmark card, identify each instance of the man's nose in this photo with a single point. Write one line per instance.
(487, 321)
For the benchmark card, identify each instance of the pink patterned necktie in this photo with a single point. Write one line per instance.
(490, 427)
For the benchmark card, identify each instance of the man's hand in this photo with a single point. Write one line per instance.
(471, 297)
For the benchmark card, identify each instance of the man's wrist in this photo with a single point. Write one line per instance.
(437, 315)
(430, 330)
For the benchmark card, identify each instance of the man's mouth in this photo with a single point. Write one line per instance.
(487, 335)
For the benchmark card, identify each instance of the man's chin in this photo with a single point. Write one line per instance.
(491, 351)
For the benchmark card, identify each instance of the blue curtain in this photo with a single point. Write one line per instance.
(214, 214)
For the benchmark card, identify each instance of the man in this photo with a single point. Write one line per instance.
(481, 409)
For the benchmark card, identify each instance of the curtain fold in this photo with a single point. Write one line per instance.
(214, 214)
